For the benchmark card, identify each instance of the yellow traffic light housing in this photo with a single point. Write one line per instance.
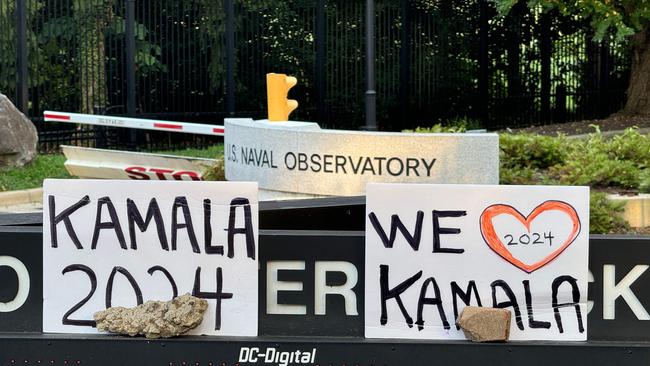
(277, 90)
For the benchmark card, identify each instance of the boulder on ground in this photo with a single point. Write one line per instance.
(18, 136)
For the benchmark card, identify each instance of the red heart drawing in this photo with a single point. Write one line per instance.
(494, 242)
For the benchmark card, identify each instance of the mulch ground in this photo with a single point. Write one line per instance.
(639, 231)
(612, 123)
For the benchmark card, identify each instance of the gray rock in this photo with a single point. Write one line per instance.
(154, 319)
(18, 136)
(485, 324)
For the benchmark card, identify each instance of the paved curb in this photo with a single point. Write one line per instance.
(11, 198)
(637, 209)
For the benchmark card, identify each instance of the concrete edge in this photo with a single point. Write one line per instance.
(19, 197)
(637, 209)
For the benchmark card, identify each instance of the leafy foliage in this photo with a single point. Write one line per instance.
(620, 162)
(532, 151)
(605, 215)
(66, 54)
(623, 17)
(455, 125)
(598, 162)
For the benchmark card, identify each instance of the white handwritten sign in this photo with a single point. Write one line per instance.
(119, 243)
(433, 249)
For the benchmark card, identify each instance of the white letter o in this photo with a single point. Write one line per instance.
(23, 284)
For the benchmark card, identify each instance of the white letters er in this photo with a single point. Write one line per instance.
(321, 288)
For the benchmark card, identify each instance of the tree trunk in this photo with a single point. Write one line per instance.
(92, 21)
(638, 91)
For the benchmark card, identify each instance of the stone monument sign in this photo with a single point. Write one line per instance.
(300, 157)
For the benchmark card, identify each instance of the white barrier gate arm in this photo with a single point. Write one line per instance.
(138, 123)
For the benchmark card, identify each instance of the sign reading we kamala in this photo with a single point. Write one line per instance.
(431, 250)
(120, 243)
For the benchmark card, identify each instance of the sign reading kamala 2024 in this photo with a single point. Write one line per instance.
(433, 249)
(120, 243)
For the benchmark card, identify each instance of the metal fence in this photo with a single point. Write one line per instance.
(202, 60)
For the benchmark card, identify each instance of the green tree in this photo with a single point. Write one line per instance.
(9, 47)
(622, 18)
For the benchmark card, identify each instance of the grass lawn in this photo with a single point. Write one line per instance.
(211, 152)
(32, 175)
(51, 166)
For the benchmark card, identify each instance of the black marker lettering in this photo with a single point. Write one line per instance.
(93, 286)
(207, 228)
(395, 292)
(437, 230)
(64, 216)
(575, 292)
(247, 230)
(169, 278)
(423, 300)
(217, 295)
(396, 223)
(465, 296)
(109, 285)
(135, 218)
(181, 202)
(114, 224)
(512, 300)
(532, 323)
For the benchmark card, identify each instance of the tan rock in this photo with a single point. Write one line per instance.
(18, 136)
(485, 324)
(154, 319)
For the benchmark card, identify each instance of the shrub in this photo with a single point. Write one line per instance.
(598, 162)
(456, 125)
(605, 215)
(644, 181)
(438, 128)
(631, 146)
(531, 151)
(524, 157)
(517, 175)
(618, 162)
(594, 168)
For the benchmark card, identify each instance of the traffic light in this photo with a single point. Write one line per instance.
(277, 89)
